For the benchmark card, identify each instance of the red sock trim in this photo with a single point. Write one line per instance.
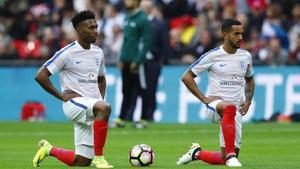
(228, 128)
(211, 157)
(65, 156)
(100, 132)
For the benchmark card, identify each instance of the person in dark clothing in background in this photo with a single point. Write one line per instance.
(155, 58)
(136, 44)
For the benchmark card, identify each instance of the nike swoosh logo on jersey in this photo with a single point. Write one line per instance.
(221, 65)
(77, 62)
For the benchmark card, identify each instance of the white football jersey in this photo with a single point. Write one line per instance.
(78, 69)
(226, 73)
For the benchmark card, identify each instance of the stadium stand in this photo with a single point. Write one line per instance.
(31, 31)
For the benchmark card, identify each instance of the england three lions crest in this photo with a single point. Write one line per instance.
(243, 65)
(97, 61)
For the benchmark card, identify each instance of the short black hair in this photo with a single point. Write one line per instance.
(227, 24)
(82, 16)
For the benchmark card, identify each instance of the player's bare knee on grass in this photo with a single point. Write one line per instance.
(102, 110)
(81, 161)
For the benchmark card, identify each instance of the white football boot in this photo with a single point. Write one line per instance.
(190, 155)
(232, 161)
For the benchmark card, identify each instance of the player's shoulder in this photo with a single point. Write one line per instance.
(245, 54)
(96, 48)
(211, 53)
(64, 51)
(68, 47)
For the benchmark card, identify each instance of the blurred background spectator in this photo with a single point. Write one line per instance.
(32, 30)
(274, 53)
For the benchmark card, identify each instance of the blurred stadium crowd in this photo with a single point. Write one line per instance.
(36, 29)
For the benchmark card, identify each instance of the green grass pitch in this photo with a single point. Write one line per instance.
(265, 146)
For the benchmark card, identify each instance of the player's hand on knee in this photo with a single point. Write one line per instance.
(245, 107)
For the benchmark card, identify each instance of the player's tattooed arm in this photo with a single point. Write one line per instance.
(249, 91)
(102, 85)
(249, 88)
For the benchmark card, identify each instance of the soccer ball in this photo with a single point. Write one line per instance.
(141, 155)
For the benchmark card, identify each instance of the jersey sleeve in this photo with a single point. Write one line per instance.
(57, 62)
(102, 70)
(249, 71)
(202, 64)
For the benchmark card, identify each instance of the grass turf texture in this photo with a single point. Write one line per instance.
(267, 146)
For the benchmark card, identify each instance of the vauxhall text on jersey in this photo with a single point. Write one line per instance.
(226, 72)
(78, 69)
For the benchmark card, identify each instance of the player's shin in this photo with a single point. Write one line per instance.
(65, 156)
(228, 129)
(210, 157)
(100, 132)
